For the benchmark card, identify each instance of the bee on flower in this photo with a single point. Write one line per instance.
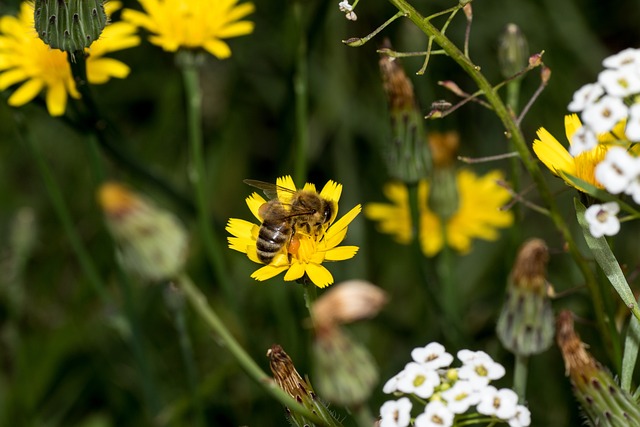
(298, 231)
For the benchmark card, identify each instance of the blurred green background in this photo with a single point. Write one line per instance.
(64, 356)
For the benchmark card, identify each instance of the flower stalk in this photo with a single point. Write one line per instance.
(515, 134)
(189, 64)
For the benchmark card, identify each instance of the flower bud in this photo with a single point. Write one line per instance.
(526, 324)
(345, 371)
(151, 242)
(69, 25)
(288, 379)
(513, 51)
(407, 155)
(604, 403)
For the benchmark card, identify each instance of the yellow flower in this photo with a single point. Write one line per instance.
(26, 58)
(304, 253)
(193, 23)
(478, 214)
(559, 161)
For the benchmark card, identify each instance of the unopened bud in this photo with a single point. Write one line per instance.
(604, 403)
(69, 25)
(348, 302)
(407, 155)
(535, 60)
(513, 51)
(345, 371)
(151, 242)
(526, 323)
(545, 74)
(288, 379)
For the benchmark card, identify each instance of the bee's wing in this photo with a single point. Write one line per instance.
(270, 190)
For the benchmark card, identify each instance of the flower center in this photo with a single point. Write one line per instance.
(419, 380)
(482, 371)
(437, 420)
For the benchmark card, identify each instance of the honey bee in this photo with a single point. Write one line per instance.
(304, 212)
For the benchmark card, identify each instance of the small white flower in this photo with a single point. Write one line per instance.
(351, 16)
(522, 418)
(479, 368)
(604, 114)
(432, 356)
(345, 6)
(585, 96)
(621, 82)
(391, 386)
(418, 380)
(602, 219)
(617, 170)
(395, 413)
(633, 123)
(436, 414)
(582, 140)
(625, 57)
(501, 403)
(461, 396)
(633, 189)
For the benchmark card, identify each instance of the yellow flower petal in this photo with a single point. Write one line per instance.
(217, 48)
(319, 275)
(554, 156)
(56, 99)
(103, 69)
(12, 77)
(25, 93)
(343, 222)
(267, 272)
(295, 272)
(341, 253)
(255, 201)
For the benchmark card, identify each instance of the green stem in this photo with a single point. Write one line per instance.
(515, 134)
(136, 342)
(62, 211)
(109, 137)
(186, 349)
(189, 66)
(199, 303)
(520, 374)
(301, 89)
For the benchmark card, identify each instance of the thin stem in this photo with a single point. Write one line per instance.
(520, 374)
(189, 66)
(199, 303)
(64, 216)
(515, 134)
(301, 91)
(109, 137)
(356, 41)
(136, 342)
(186, 349)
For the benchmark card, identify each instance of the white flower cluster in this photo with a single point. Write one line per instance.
(450, 391)
(610, 105)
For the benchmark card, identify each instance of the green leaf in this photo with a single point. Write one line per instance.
(630, 355)
(607, 261)
(598, 193)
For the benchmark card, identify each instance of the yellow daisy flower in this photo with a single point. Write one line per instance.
(304, 253)
(193, 23)
(26, 58)
(556, 157)
(478, 214)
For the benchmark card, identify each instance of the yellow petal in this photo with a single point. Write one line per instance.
(267, 272)
(25, 93)
(295, 272)
(331, 191)
(12, 77)
(236, 29)
(240, 11)
(552, 153)
(241, 228)
(100, 70)
(319, 275)
(571, 124)
(431, 240)
(217, 48)
(341, 253)
(343, 222)
(254, 202)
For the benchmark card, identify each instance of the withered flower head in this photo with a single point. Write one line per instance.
(604, 403)
(348, 302)
(407, 155)
(526, 324)
(288, 379)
